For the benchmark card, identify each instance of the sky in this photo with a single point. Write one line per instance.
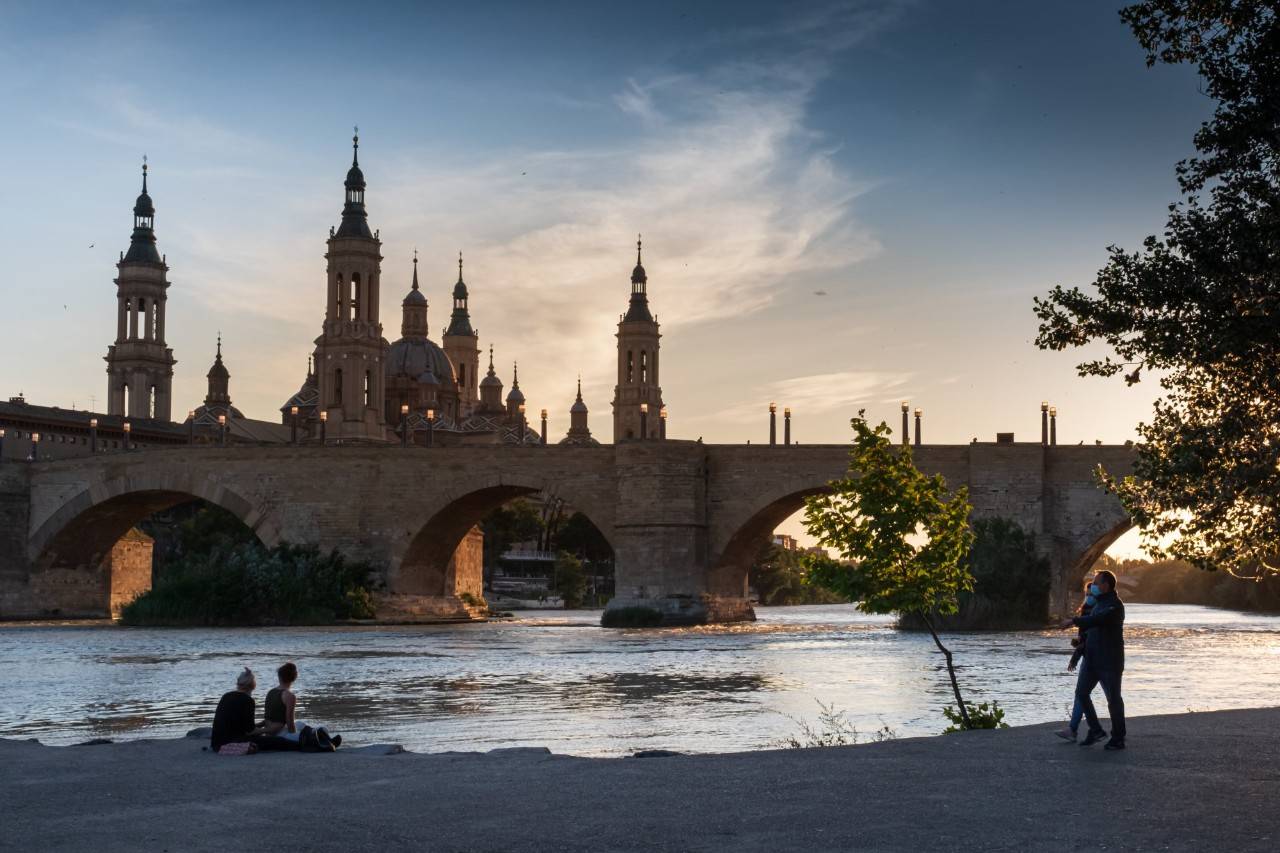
(844, 204)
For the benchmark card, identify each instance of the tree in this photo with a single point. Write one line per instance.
(517, 521)
(780, 577)
(875, 516)
(1199, 304)
(570, 580)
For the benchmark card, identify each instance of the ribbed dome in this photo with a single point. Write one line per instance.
(413, 357)
(143, 206)
(490, 380)
(578, 406)
(355, 178)
(414, 297)
(515, 395)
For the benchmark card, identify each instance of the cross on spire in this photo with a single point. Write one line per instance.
(355, 146)
(144, 173)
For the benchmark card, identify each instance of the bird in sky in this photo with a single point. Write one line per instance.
(819, 293)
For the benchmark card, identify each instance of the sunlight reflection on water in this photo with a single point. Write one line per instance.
(556, 679)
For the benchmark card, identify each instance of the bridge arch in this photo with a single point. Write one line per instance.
(432, 564)
(747, 533)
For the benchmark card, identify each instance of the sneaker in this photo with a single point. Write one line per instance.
(1093, 737)
(1067, 734)
(1114, 744)
(336, 740)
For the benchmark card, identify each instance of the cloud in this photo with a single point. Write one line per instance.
(820, 393)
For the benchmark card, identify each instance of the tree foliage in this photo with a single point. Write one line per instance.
(1200, 304)
(570, 580)
(780, 577)
(906, 540)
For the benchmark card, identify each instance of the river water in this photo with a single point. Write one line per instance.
(555, 679)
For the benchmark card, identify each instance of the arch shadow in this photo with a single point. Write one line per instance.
(432, 563)
(728, 574)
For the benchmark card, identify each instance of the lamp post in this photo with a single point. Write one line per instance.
(93, 435)
(644, 420)
(1, 445)
(906, 408)
(128, 433)
(662, 424)
(544, 426)
(222, 430)
(1044, 421)
(293, 429)
(773, 424)
(431, 427)
(523, 423)
(404, 424)
(919, 412)
(1053, 424)
(191, 426)
(786, 425)
(35, 447)
(324, 422)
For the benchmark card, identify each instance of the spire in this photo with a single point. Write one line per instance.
(415, 269)
(219, 358)
(638, 311)
(491, 373)
(515, 375)
(578, 407)
(218, 379)
(142, 245)
(579, 387)
(460, 320)
(310, 369)
(355, 219)
(413, 323)
(515, 397)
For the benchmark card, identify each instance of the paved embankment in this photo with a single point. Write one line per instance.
(1202, 782)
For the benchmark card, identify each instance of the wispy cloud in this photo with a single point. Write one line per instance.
(821, 393)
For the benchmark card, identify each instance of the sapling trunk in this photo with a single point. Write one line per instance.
(951, 670)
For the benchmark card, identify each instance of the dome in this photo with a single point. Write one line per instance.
(415, 297)
(355, 178)
(578, 407)
(218, 371)
(413, 357)
(490, 381)
(515, 395)
(143, 206)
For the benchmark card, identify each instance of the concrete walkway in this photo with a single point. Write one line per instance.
(1195, 782)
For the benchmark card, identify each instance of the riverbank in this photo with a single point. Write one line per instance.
(1206, 781)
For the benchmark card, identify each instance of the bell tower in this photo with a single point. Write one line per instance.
(637, 364)
(462, 345)
(350, 349)
(139, 364)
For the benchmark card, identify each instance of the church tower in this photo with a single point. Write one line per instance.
(491, 390)
(637, 364)
(219, 377)
(350, 350)
(139, 365)
(462, 345)
(579, 432)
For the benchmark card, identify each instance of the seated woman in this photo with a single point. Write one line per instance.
(278, 714)
(233, 719)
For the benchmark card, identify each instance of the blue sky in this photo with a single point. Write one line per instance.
(928, 167)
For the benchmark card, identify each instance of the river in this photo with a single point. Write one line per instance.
(555, 679)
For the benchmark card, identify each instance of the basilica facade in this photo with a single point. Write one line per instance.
(360, 387)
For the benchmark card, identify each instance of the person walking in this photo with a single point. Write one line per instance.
(1077, 654)
(1103, 660)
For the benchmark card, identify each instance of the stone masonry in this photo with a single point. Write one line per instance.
(684, 518)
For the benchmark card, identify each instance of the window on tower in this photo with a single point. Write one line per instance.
(355, 296)
(341, 291)
(337, 387)
(368, 388)
(631, 369)
(644, 367)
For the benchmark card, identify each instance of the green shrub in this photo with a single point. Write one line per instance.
(631, 617)
(981, 716)
(250, 585)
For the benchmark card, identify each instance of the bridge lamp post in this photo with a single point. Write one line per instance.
(1044, 421)
(524, 424)
(93, 435)
(128, 433)
(644, 421)
(773, 424)
(293, 427)
(906, 408)
(1, 445)
(662, 423)
(919, 412)
(35, 447)
(222, 430)
(324, 422)
(404, 424)
(191, 426)
(1053, 424)
(431, 427)
(786, 425)
(544, 426)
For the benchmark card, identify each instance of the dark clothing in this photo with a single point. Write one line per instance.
(233, 719)
(1078, 651)
(1104, 634)
(1110, 681)
(273, 710)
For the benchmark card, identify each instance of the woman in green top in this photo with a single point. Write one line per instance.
(278, 711)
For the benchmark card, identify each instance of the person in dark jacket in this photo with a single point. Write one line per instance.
(233, 720)
(1104, 660)
(1072, 730)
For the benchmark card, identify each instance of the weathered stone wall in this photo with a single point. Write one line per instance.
(128, 569)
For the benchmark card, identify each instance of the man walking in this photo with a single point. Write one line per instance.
(1104, 660)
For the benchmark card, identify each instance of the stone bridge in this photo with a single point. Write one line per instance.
(684, 518)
